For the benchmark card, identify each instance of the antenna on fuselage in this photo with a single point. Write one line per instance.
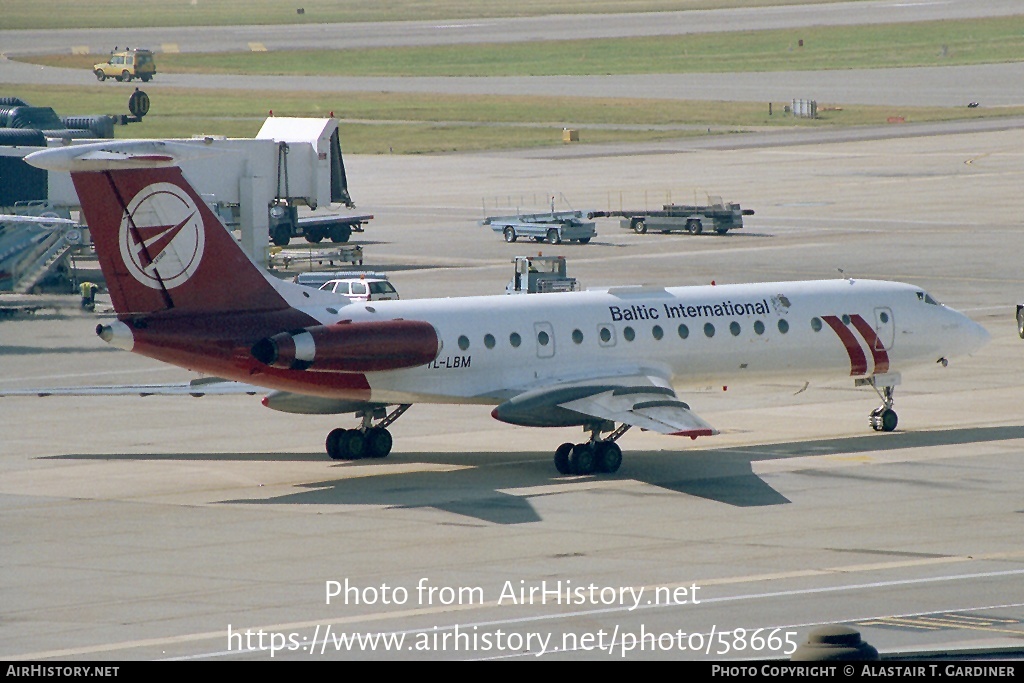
(842, 274)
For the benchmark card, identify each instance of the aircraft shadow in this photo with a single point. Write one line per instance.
(477, 490)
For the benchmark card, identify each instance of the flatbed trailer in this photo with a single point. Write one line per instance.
(285, 223)
(693, 218)
(553, 227)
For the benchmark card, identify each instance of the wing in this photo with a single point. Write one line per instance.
(645, 401)
(197, 387)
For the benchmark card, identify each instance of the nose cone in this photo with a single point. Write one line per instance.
(967, 337)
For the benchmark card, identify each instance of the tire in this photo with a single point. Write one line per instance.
(100, 76)
(510, 234)
(355, 448)
(639, 226)
(609, 457)
(145, 78)
(721, 231)
(1020, 323)
(889, 420)
(584, 240)
(336, 442)
(554, 237)
(378, 442)
(694, 227)
(126, 76)
(314, 236)
(582, 459)
(282, 235)
(562, 458)
(340, 233)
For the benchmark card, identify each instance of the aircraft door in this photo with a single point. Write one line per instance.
(544, 334)
(885, 328)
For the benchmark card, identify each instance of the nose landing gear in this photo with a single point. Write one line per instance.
(883, 418)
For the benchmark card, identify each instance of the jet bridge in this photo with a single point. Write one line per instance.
(251, 183)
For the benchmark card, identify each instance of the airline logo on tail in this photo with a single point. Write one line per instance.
(162, 236)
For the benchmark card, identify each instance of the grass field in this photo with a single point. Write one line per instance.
(939, 43)
(400, 123)
(29, 14)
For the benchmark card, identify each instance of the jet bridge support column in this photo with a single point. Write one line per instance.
(254, 218)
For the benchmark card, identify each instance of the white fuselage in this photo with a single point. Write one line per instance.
(495, 347)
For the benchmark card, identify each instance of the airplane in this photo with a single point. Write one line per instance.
(185, 293)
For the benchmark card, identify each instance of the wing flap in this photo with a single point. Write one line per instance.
(653, 410)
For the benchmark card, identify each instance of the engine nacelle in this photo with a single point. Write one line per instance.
(351, 347)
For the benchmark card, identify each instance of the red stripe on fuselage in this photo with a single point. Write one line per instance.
(858, 361)
(878, 352)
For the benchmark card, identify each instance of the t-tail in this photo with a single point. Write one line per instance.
(159, 245)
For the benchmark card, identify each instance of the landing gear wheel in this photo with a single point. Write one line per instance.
(355, 445)
(510, 234)
(554, 237)
(562, 458)
(884, 420)
(609, 456)
(378, 442)
(335, 441)
(582, 459)
(639, 226)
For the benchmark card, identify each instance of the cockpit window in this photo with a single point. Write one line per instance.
(927, 298)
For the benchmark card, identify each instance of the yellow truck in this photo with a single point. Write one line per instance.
(127, 64)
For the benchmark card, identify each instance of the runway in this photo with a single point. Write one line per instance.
(990, 84)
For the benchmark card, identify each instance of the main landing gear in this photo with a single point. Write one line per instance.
(366, 441)
(596, 455)
(883, 418)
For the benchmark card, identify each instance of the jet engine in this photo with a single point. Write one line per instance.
(351, 347)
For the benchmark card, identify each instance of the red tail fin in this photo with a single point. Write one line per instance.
(161, 247)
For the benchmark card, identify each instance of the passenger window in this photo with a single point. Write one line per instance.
(629, 334)
(657, 332)
(606, 335)
(783, 326)
(734, 327)
(577, 336)
(684, 331)
(489, 341)
(515, 340)
(542, 338)
(759, 327)
(463, 342)
(816, 324)
(709, 330)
